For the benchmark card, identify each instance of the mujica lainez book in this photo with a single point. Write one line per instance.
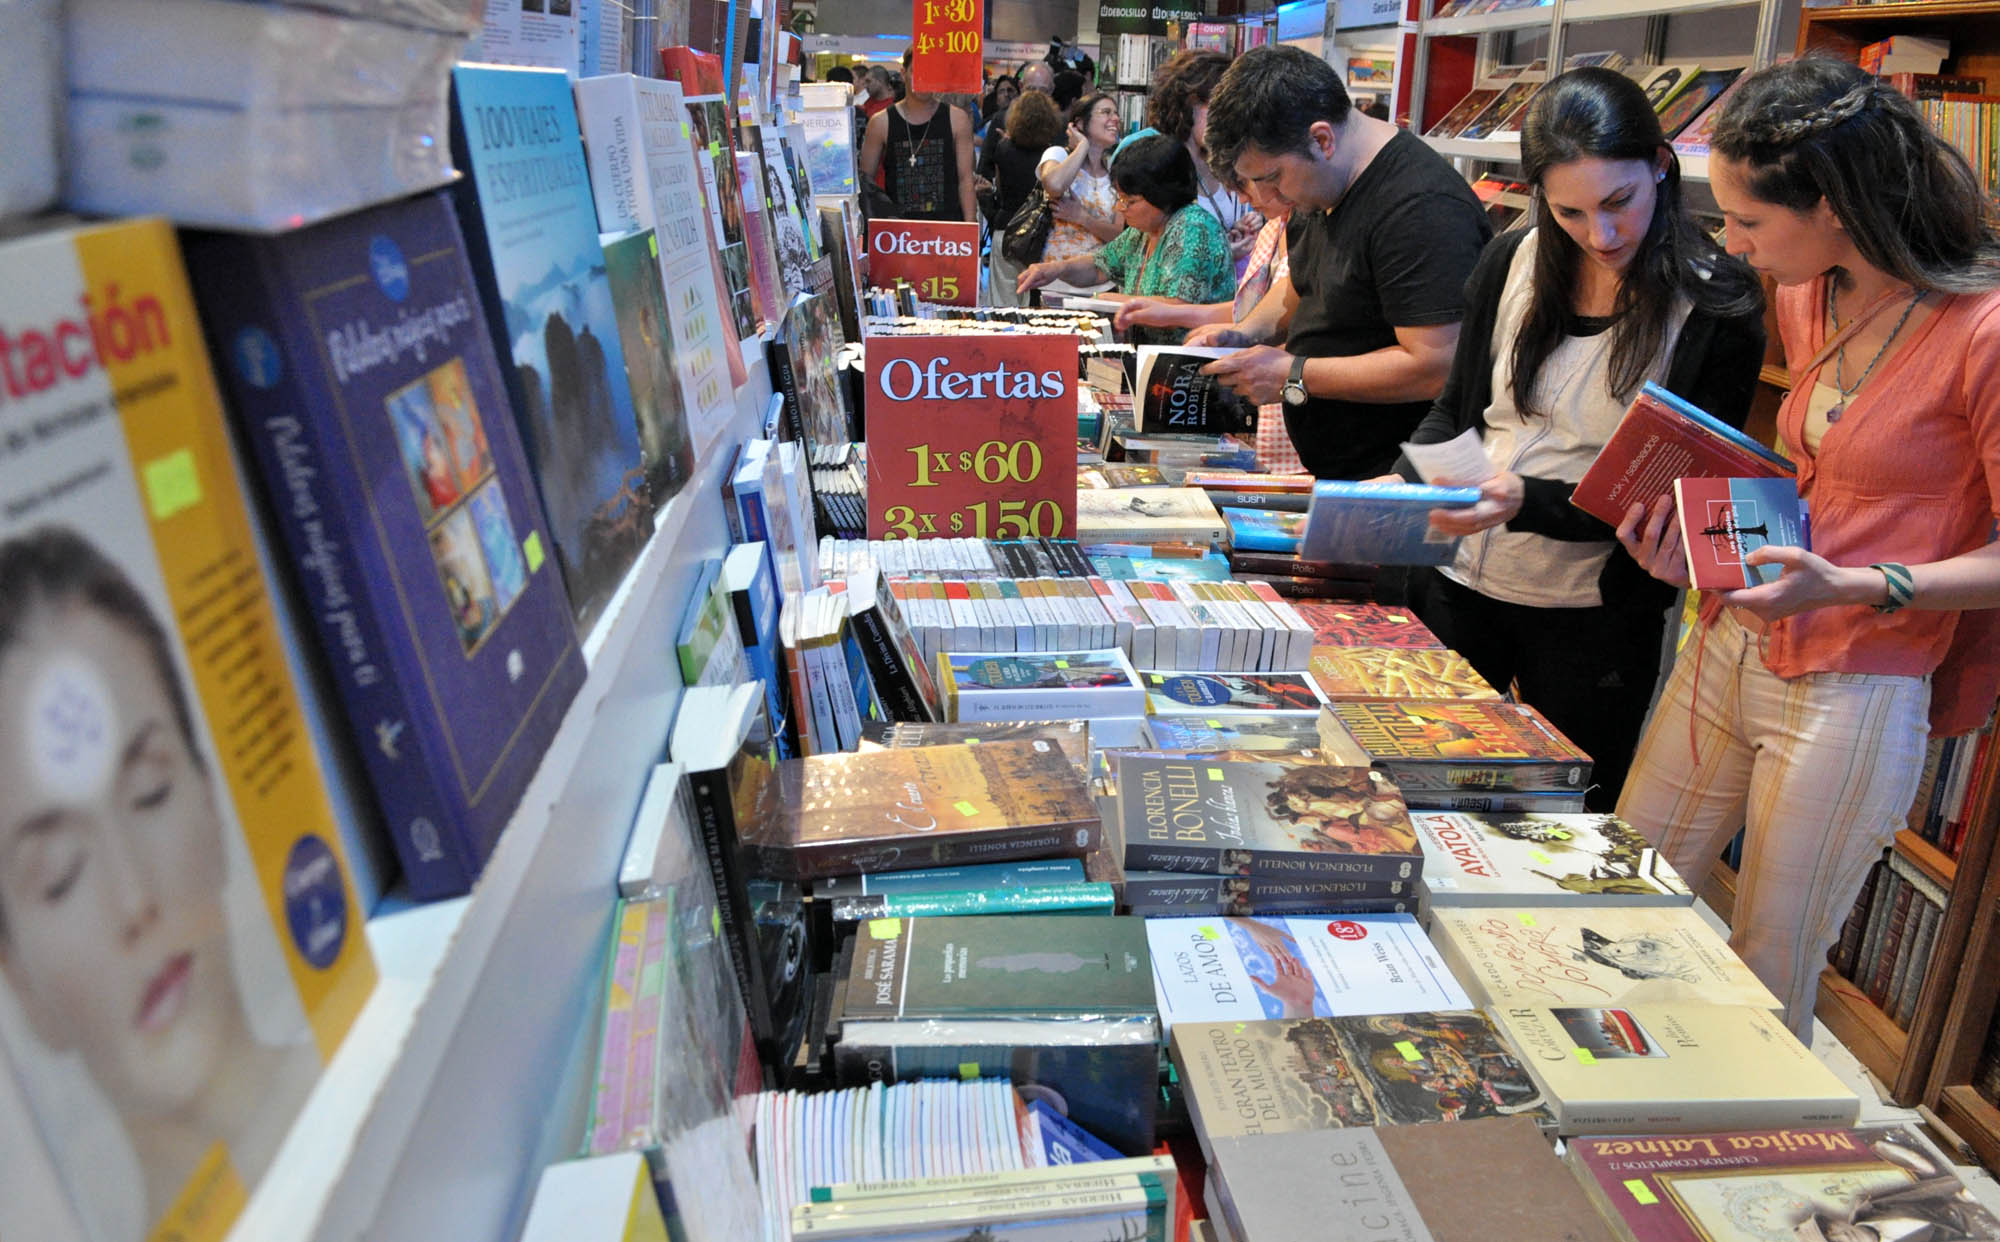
(183, 947)
(531, 227)
(364, 384)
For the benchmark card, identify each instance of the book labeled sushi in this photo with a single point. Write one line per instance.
(1723, 521)
(1365, 625)
(931, 806)
(1360, 1185)
(1498, 859)
(1883, 1181)
(1346, 673)
(1660, 439)
(1673, 1068)
(1039, 686)
(531, 227)
(1173, 394)
(1283, 1076)
(156, 741)
(1455, 745)
(1207, 694)
(1246, 969)
(366, 388)
(1061, 1003)
(1610, 955)
(1271, 820)
(1380, 523)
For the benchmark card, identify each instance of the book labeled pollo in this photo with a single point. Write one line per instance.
(1277, 819)
(927, 806)
(1724, 520)
(1608, 955)
(1673, 1068)
(1445, 745)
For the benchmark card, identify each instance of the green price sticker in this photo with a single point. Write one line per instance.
(885, 929)
(968, 1070)
(1585, 1055)
(1642, 1194)
(1527, 920)
(1409, 1050)
(965, 808)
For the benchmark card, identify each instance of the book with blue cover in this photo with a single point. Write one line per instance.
(666, 450)
(753, 599)
(1380, 523)
(1264, 530)
(1724, 520)
(531, 227)
(362, 379)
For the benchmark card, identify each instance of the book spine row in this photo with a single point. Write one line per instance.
(1885, 946)
(1953, 767)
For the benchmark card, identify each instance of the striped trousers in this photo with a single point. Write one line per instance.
(1818, 770)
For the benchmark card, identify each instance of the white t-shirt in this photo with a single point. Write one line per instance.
(1067, 241)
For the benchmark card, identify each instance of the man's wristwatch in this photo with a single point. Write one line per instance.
(1294, 391)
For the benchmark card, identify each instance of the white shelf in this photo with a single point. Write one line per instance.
(1502, 150)
(1486, 23)
(1606, 10)
(435, 1115)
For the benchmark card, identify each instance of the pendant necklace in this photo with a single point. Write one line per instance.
(917, 147)
(1840, 357)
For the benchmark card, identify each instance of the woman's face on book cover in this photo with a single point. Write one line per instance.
(112, 931)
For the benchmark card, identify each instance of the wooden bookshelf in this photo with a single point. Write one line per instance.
(1719, 891)
(1973, 29)
(1939, 866)
(1961, 997)
(1867, 1032)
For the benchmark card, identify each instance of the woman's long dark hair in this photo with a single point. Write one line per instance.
(1597, 113)
(1821, 128)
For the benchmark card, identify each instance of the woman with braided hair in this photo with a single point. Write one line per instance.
(1800, 709)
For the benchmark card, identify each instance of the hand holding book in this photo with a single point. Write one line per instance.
(1500, 500)
(1257, 373)
(1650, 533)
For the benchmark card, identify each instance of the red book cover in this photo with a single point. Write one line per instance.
(1366, 625)
(699, 73)
(1663, 438)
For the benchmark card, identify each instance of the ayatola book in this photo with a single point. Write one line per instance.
(1286, 1075)
(1496, 859)
(1240, 969)
(531, 227)
(1292, 820)
(1610, 955)
(1455, 745)
(1396, 673)
(1669, 1068)
(928, 806)
(1815, 1185)
(153, 732)
(367, 391)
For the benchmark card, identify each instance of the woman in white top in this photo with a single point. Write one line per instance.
(1614, 285)
(1177, 105)
(1077, 180)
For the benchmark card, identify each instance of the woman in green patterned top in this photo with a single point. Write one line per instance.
(1170, 248)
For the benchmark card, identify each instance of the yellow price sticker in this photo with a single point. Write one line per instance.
(1541, 858)
(1208, 933)
(1157, 678)
(1215, 724)
(1062, 663)
(172, 485)
(885, 929)
(1585, 1055)
(968, 1070)
(1642, 1194)
(1527, 920)
(531, 547)
(1215, 774)
(1409, 1050)
(965, 808)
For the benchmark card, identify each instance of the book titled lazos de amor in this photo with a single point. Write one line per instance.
(362, 379)
(183, 948)
(531, 227)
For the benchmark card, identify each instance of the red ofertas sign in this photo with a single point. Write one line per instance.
(939, 258)
(971, 437)
(946, 48)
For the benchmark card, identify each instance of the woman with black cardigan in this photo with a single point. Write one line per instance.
(1612, 286)
(1009, 161)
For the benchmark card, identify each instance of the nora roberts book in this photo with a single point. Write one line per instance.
(1497, 859)
(1283, 1076)
(154, 740)
(1493, 1178)
(927, 806)
(1294, 820)
(364, 384)
(1673, 1069)
(1605, 955)
(1748, 1185)
(1455, 745)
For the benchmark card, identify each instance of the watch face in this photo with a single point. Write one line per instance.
(1294, 393)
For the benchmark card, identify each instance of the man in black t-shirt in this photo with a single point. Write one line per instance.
(1383, 236)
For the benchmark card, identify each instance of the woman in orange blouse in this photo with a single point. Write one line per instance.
(1802, 707)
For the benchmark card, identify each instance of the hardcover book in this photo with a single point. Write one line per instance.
(1089, 897)
(1282, 1076)
(1396, 673)
(1242, 969)
(1413, 1181)
(1167, 894)
(1665, 83)
(1365, 625)
(531, 227)
(1697, 139)
(1608, 955)
(1673, 1068)
(1881, 1181)
(1173, 394)
(1205, 694)
(1500, 119)
(1455, 745)
(1723, 521)
(1687, 104)
(1072, 737)
(1380, 523)
(1031, 686)
(1292, 820)
(714, 137)
(666, 449)
(928, 806)
(155, 739)
(1660, 439)
(1488, 859)
(1251, 731)
(1039, 873)
(1147, 515)
(1474, 102)
(401, 492)
(1265, 529)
